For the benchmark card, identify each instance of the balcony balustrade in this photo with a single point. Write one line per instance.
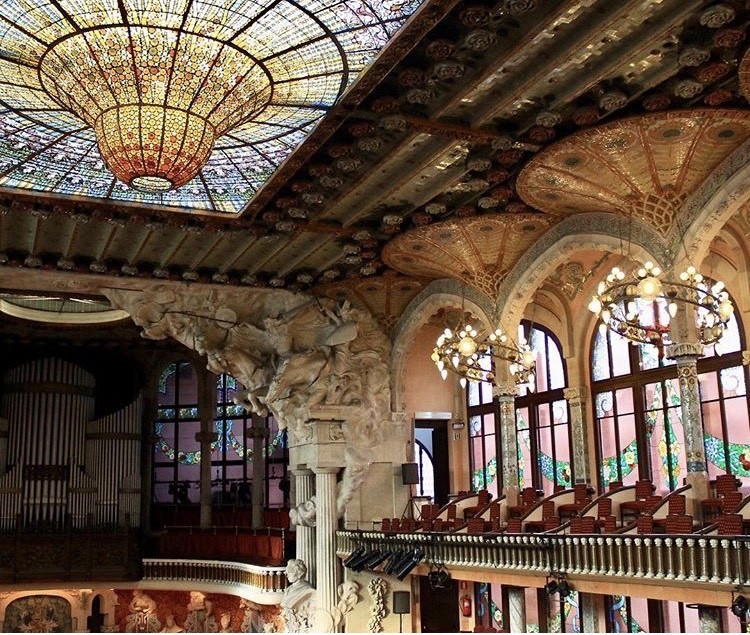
(718, 560)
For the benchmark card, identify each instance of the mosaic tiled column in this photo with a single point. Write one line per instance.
(505, 393)
(517, 609)
(258, 433)
(709, 619)
(591, 608)
(304, 490)
(576, 398)
(686, 357)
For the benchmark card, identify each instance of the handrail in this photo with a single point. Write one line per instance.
(723, 560)
(259, 579)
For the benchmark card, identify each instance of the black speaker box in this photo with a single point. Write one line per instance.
(401, 602)
(409, 473)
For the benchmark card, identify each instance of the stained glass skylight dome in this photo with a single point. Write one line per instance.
(184, 103)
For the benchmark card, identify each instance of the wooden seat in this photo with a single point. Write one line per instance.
(583, 525)
(483, 499)
(679, 524)
(632, 509)
(475, 525)
(580, 500)
(514, 526)
(729, 525)
(645, 525)
(675, 507)
(528, 499)
(548, 511)
(725, 484)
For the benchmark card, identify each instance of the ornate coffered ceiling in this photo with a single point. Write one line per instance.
(464, 115)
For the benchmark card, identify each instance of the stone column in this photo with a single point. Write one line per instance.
(259, 434)
(326, 523)
(207, 436)
(709, 619)
(576, 398)
(505, 393)
(304, 488)
(517, 609)
(686, 356)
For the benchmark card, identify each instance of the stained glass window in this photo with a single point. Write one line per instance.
(482, 411)
(638, 416)
(176, 452)
(542, 419)
(192, 105)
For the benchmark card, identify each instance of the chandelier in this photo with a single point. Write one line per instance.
(641, 307)
(462, 351)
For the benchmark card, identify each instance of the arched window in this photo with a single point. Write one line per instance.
(483, 414)
(542, 420)
(723, 381)
(638, 420)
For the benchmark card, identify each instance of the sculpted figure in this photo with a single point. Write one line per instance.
(298, 602)
(291, 352)
(304, 514)
(142, 617)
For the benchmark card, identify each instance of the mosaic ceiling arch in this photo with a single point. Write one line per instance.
(477, 251)
(645, 166)
(193, 104)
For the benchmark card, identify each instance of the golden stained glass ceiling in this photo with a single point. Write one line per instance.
(193, 104)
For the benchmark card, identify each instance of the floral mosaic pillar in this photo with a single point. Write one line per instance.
(517, 609)
(709, 619)
(505, 393)
(577, 402)
(686, 357)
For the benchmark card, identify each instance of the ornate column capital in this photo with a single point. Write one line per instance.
(504, 389)
(683, 350)
(398, 417)
(206, 437)
(575, 395)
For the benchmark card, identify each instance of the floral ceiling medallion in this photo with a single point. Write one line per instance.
(477, 251)
(645, 166)
(182, 103)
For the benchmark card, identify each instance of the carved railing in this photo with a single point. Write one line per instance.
(721, 560)
(262, 580)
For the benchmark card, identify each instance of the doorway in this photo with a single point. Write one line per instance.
(438, 607)
(431, 457)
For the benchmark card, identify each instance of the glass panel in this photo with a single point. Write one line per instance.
(709, 386)
(733, 381)
(490, 468)
(620, 354)
(556, 368)
(600, 363)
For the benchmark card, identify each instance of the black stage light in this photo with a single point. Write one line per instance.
(412, 559)
(564, 589)
(357, 553)
(739, 607)
(393, 559)
(376, 558)
(551, 587)
(358, 563)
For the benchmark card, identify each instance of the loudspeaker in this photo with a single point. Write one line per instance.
(409, 473)
(401, 602)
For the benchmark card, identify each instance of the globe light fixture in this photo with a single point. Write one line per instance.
(461, 351)
(642, 306)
